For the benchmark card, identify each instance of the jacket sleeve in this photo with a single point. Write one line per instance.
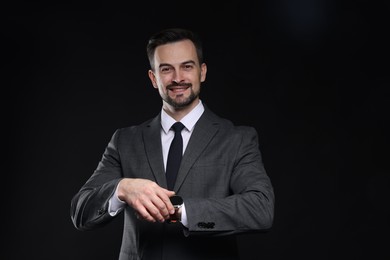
(89, 206)
(250, 205)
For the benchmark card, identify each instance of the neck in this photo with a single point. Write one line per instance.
(179, 113)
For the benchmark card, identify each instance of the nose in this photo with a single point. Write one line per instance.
(177, 76)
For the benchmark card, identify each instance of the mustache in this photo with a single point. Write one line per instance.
(182, 84)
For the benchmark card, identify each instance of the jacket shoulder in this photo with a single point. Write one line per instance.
(132, 130)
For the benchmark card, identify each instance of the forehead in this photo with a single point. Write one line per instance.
(175, 53)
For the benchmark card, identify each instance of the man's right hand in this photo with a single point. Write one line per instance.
(150, 201)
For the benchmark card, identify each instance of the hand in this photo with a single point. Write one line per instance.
(150, 201)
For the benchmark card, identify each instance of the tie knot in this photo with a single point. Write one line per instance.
(177, 127)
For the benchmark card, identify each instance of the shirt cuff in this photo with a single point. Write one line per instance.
(115, 205)
(184, 220)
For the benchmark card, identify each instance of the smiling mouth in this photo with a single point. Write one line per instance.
(178, 85)
(178, 88)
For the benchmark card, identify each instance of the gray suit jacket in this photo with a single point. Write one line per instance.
(225, 188)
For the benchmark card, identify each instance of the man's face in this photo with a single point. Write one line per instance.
(178, 74)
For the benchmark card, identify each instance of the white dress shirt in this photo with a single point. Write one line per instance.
(115, 204)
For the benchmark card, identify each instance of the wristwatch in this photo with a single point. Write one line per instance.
(177, 202)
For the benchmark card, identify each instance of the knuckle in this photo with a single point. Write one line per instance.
(154, 212)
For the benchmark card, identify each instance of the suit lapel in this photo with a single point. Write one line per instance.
(153, 149)
(204, 131)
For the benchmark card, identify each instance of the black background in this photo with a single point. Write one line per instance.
(311, 75)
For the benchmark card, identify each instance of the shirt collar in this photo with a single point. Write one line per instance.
(188, 121)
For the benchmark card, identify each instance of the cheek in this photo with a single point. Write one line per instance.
(164, 80)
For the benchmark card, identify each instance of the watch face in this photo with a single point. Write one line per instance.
(176, 200)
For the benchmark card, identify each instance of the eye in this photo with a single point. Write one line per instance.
(165, 69)
(188, 66)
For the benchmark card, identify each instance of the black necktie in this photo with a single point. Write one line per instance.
(174, 155)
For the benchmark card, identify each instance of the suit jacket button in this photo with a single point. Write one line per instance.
(201, 224)
(207, 225)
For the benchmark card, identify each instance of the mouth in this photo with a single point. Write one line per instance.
(178, 88)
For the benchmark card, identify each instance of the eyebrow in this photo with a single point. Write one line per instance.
(183, 63)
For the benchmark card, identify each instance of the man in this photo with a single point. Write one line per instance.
(221, 188)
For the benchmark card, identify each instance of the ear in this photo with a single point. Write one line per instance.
(203, 72)
(152, 78)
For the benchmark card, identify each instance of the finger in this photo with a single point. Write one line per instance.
(166, 202)
(147, 210)
(161, 206)
(142, 213)
(155, 210)
(169, 193)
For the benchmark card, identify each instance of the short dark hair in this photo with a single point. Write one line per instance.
(173, 35)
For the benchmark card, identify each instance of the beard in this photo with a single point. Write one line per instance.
(182, 102)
